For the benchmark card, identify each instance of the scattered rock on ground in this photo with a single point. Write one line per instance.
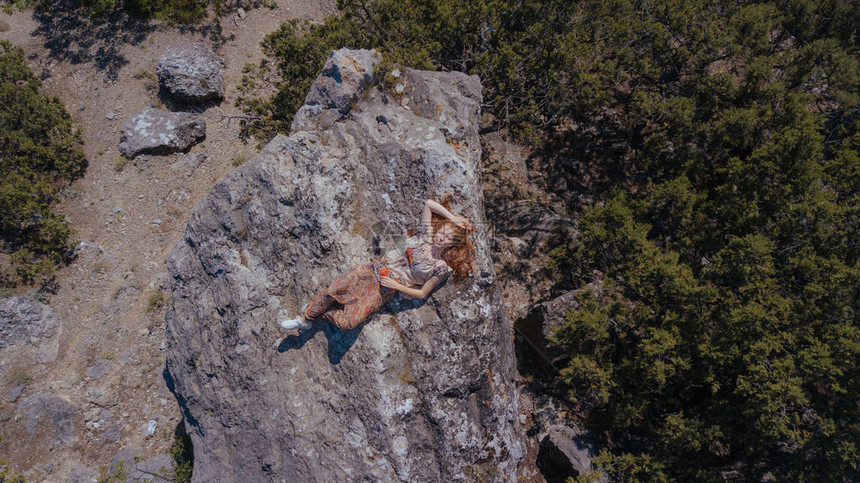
(155, 131)
(188, 163)
(192, 74)
(15, 392)
(151, 470)
(81, 474)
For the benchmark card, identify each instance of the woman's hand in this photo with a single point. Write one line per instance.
(389, 282)
(462, 222)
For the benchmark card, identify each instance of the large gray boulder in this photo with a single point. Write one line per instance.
(155, 131)
(425, 391)
(192, 74)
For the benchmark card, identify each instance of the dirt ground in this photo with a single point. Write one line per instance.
(105, 387)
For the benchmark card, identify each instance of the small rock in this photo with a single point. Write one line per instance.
(565, 449)
(80, 474)
(150, 427)
(154, 131)
(110, 116)
(44, 410)
(152, 466)
(25, 320)
(192, 74)
(98, 369)
(156, 222)
(241, 12)
(15, 392)
(112, 434)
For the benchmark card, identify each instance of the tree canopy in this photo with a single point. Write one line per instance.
(720, 144)
(40, 153)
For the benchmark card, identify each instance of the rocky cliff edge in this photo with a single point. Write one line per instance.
(425, 390)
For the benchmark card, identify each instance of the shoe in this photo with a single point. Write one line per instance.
(295, 323)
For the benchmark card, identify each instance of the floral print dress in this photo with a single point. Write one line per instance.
(357, 294)
(414, 265)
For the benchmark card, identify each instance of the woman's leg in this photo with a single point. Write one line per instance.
(318, 306)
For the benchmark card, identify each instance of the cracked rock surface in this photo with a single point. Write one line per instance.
(155, 131)
(425, 390)
(192, 74)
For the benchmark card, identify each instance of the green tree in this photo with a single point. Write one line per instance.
(39, 154)
(719, 141)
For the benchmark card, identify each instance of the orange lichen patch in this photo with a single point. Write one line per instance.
(457, 146)
(355, 66)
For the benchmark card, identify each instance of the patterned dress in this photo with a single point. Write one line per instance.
(358, 294)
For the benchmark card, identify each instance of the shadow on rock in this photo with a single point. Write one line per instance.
(339, 340)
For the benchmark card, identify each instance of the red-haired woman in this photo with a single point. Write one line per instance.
(439, 248)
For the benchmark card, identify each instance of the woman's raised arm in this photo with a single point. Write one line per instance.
(431, 207)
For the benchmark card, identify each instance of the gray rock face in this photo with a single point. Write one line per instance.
(24, 321)
(52, 415)
(425, 391)
(154, 131)
(192, 74)
(564, 448)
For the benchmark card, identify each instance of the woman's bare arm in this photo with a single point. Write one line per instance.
(431, 207)
(415, 293)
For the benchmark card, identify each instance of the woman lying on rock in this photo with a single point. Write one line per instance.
(439, 248)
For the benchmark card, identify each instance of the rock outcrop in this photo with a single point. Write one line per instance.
(49, 417)
(154, 131)
(192, 74)
(27, 322)
(424, 391)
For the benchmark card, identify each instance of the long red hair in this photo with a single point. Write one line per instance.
(461, 254)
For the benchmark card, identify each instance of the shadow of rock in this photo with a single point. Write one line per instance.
(173, 104)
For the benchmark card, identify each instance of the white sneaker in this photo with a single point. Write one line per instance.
(295, 323)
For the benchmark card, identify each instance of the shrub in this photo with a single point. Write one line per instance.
(179, 11)
(40, 153)
(156, 302)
